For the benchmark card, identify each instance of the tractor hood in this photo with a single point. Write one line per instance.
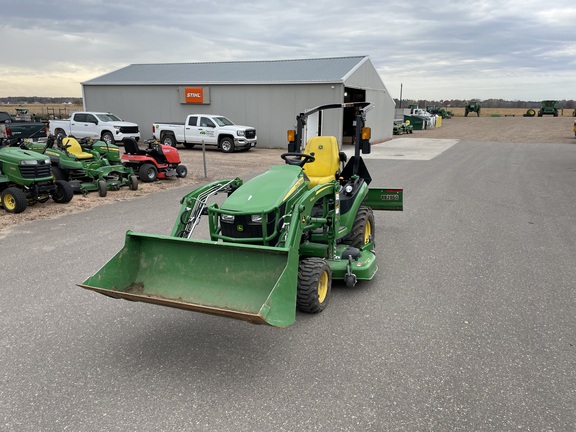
(267, 191)
(24, 157)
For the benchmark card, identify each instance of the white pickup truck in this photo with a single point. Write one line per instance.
(106, 126)
(211, 129)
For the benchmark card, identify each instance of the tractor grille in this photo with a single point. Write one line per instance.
(129, 129)
(36, 171)
(250, 133)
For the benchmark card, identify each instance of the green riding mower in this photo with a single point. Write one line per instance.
(87, 165)
(276, 242)
(26, 179)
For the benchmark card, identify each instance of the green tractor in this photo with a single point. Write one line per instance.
(87, 165)
(548, 107)
(472, 106)
(26, 179)
(276, 242)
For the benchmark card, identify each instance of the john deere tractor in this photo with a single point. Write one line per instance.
(472, 106)
(548, 107)
(276, 242)
(26, 178)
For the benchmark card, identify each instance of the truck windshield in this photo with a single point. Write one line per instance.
(222, 121)
(108, 117)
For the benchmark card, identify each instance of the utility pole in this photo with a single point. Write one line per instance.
(401, 95)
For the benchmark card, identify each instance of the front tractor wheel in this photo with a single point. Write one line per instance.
(64, 192)
(181, 171)
(314, 285)
(363, 228)
(14, 200)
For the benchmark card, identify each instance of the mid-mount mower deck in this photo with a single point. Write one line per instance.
(276, 242)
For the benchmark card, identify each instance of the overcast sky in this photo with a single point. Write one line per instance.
(441, 49)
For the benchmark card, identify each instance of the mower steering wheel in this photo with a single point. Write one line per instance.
(298, 159)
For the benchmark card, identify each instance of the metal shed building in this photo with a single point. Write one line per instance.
(264, 94)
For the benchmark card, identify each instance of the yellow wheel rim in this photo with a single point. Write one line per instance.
(323, 287)
(367, 232)
(9, 202)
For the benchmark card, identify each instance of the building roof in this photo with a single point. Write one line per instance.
(322, 70)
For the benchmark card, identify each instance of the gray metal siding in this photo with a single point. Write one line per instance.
(271, 109)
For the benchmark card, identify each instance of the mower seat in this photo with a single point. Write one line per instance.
(131, 147)
(74, 148)
(326, 165)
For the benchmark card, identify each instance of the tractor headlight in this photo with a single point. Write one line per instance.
(240, 133)
(28, 162)
(256, 218)
(227, 218)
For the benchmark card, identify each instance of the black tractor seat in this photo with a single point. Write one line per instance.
(131, 147)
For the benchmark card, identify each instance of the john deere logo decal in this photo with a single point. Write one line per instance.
(240, 228)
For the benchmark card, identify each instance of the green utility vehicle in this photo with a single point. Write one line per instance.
(276, 242)
(92, 166)
(472, 106)
(26, 178)
(548, 107)
(442, 112)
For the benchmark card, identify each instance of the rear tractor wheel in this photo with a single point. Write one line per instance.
(363, 228)
(148, 173)
(314, 285)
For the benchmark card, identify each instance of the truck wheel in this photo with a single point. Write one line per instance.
(227, 145)
(148, 173)
(14, 200)
(63, 193)
(169, 140)
(314, 285)
(108, 138)
(102, 190)
(181, 171)
(133, 185)
(59, 134)
(362, 229)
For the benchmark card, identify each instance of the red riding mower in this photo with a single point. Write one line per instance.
(157, 161)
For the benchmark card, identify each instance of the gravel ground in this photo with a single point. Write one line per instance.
(555, 130)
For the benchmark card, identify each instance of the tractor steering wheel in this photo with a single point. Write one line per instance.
(298, 159)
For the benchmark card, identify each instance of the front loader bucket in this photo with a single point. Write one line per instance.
(251, 283)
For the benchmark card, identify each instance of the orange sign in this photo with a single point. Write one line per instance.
(194, 95)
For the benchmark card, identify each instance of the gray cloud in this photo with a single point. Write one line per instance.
(438, 50)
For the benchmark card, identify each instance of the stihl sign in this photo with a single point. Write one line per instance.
(194, 95)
